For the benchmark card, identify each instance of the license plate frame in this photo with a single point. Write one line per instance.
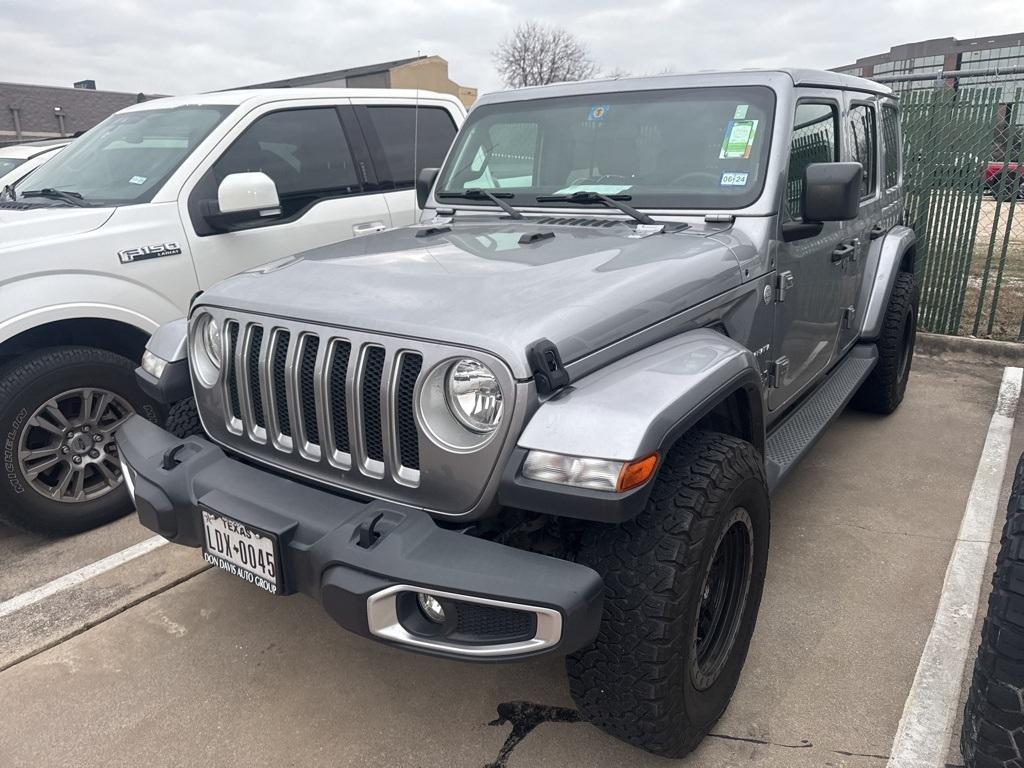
(244, 542)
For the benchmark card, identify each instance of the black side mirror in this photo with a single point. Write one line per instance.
(831, 191)
(424, 182)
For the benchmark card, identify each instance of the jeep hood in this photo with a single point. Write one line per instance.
(18, 227)
(481, 284)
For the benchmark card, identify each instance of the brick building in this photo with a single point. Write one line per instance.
(29, 112)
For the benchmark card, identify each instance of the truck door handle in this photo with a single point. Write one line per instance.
(368, 228)
(878, 231)
(844, 251)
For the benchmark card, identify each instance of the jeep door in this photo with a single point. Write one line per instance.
(861, 146)
(402, 140)
(317, 158)
(810, 276)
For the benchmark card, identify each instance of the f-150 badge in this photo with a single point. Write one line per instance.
(144, 252)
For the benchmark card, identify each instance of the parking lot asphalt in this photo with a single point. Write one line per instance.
(164, 662)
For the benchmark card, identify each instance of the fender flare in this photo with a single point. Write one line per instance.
(638, 405)
(894, 246)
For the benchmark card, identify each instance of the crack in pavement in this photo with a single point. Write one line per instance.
(525, 716)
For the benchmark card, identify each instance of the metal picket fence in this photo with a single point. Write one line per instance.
(969, 216)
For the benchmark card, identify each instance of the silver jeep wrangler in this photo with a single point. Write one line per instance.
(549, 417)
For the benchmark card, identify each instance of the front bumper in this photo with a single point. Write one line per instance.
(545, 603)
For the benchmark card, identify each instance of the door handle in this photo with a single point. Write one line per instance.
(878, 231)
(368, 228)
(844, 251)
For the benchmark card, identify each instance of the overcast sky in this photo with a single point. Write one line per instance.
(183, 46)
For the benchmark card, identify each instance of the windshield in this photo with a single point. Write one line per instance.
(126, 158)
(693, 148)
(8, 164)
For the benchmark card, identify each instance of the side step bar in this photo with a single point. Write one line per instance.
(794, 436)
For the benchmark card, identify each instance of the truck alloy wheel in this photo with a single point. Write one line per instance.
(59, 411)
(67, 451)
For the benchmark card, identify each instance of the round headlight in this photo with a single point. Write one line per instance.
(213, 342)
(474, 395)
(206, 351)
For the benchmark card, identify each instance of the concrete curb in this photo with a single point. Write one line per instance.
(967, 349)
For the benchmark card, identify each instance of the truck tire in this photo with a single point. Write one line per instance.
(683, 583)
(883, 390)
(994, 714)
(183, 419)
(59, 409)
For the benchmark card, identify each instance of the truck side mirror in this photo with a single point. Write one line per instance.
(424, 183)
(243, 198)
(831, 191)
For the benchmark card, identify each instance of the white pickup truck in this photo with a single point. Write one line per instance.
(117, 234)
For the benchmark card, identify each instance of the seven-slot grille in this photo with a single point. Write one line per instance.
(324, 399)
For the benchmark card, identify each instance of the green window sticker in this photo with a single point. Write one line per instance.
(739, 139)
(741, 112)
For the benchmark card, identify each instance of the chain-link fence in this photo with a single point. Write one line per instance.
(964, 164)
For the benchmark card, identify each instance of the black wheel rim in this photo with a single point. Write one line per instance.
(723, 598)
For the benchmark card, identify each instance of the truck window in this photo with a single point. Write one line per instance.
(304, 151)
(126, 159)
(864, 148)
(891, 145)
(395, 127)
(815, 128)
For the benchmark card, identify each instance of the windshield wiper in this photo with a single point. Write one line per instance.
(614, 201)
(71, 198)
(485, 194)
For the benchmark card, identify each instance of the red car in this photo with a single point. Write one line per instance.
(994, 174)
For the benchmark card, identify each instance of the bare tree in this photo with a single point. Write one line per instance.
(538, 54)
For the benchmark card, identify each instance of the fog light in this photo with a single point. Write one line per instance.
(431, 607)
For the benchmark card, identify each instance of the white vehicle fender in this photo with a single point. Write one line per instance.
(81, 295)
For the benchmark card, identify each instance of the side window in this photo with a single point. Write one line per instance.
(864, 148)
(303, 150)
(395, 128)
(815, 132)
(891, 145)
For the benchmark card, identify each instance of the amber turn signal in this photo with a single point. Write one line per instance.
(636, 472)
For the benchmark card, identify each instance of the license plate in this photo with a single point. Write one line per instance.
(244, 551)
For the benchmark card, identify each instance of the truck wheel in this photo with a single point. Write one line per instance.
(59, 409)
(883, 390)
(994, 715)
(683, 583)
(183, 419)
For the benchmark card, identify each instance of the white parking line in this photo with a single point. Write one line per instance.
(922, 739)
(83, 574)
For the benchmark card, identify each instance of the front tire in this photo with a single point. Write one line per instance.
(683, 583)
(883, 390)
(59, 410)
(994, 713)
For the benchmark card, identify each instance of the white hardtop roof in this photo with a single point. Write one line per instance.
(256, 96)
(772, 77)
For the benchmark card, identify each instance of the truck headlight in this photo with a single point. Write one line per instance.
(207, 350)
(587, 472)
(474, 395)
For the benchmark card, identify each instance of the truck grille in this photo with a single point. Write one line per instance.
(294, 391)
(343, 408)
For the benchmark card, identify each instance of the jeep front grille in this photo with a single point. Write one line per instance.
(341, 407)
(292, 397)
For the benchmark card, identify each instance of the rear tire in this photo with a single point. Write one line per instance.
(683, 583)
(59, 410)
(994, 713)
(883, 390)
